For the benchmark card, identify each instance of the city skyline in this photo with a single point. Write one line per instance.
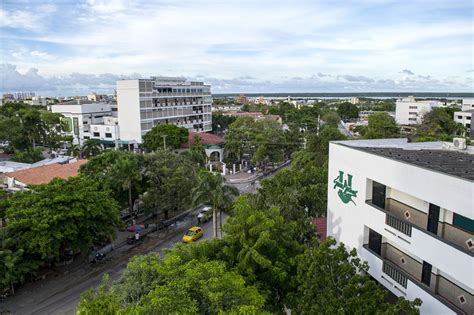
(67, 48)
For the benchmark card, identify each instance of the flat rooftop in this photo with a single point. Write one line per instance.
(435, 156)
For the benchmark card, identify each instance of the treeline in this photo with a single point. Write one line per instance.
(268, 260)
(54, 222)
(23, 128)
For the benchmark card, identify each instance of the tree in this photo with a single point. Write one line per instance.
(381, 126)
(331, 280)
(119, 172)
(54, 127)
(262, 246)
(173, 286)
(170, 179)
(91, 147)
(212, 188)
(332, 119)
(160, 136)
(348, 111)
(220, 122)
(49, 220)
(438, 124)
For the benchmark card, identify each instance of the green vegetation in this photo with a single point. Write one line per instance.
(172, 135)
(170, 178)
(438, 124)
(348, 111)
(25, 127)
(268, 259)
(381, 126)
(262, 140)
(44, 224)
(220, 122)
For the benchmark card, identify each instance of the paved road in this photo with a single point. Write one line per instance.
(61, 295)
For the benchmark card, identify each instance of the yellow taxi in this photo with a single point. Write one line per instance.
(193, 234)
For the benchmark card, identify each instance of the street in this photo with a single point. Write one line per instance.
(61, 295)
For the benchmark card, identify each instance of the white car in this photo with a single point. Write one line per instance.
(205, 214)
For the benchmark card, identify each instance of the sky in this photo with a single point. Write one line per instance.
(67, 47)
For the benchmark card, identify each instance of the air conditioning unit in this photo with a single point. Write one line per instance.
(459, 143)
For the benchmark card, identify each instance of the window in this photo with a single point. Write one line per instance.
(459, 117)
(96, 134)
(108, 135)
(412, 119)
(468, 126)
(412, 113)
(468, 117)
(86, 137)
(463, 223)
(413, 107)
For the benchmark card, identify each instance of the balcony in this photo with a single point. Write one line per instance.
(404, 218)
(401, 268)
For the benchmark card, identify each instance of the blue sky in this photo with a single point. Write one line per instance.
(72, 47)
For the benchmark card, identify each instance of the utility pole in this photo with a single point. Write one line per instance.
(164, 141)
(317, 128)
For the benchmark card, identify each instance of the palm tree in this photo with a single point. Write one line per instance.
(76, 151)
(91, 147)
(126, 172)
(212, 189)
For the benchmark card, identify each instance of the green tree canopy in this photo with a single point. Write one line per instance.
(41, 224)
(172, 286)
(438, 124)
(170, 179)
(262, 245)
(331, 280)
(381, 125)
(175, 136)
(119, 172)
(348, 111)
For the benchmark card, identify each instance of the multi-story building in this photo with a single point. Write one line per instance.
(465, 115)
(145, 103)
(408, 209)
(409, 111)
(80, 115)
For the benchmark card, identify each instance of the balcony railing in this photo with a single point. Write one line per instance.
(395, 274)
(398, 224)
(440, 288)
(395, 217)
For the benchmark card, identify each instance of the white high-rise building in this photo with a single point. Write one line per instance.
(145, 103)
(408, 209)
(409, 111)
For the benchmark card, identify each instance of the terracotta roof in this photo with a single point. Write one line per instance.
(206, 139)
(321, 227)
(44, 174)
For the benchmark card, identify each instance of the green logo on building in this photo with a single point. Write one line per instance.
(344, 188)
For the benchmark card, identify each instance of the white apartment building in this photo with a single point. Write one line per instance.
(408, 209)
(145, 103)
(409, 111)
(80, 115)
(465, 115)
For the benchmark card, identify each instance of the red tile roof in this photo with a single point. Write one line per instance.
(321, 227)
(44, 174)
(206, 139)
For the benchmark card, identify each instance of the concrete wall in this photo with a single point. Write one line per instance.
(128, 103)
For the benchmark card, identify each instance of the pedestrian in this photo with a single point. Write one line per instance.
(137, 236)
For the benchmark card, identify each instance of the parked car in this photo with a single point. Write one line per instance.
(193, 234)
(205, 214)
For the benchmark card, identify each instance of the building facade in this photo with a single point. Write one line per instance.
(409, 111)
(145, 103)
(80, 116)
(464, 117)
(408, 209)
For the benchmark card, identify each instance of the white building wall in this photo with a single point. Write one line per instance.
(128, 102)
(346, 222)
(408, 111)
